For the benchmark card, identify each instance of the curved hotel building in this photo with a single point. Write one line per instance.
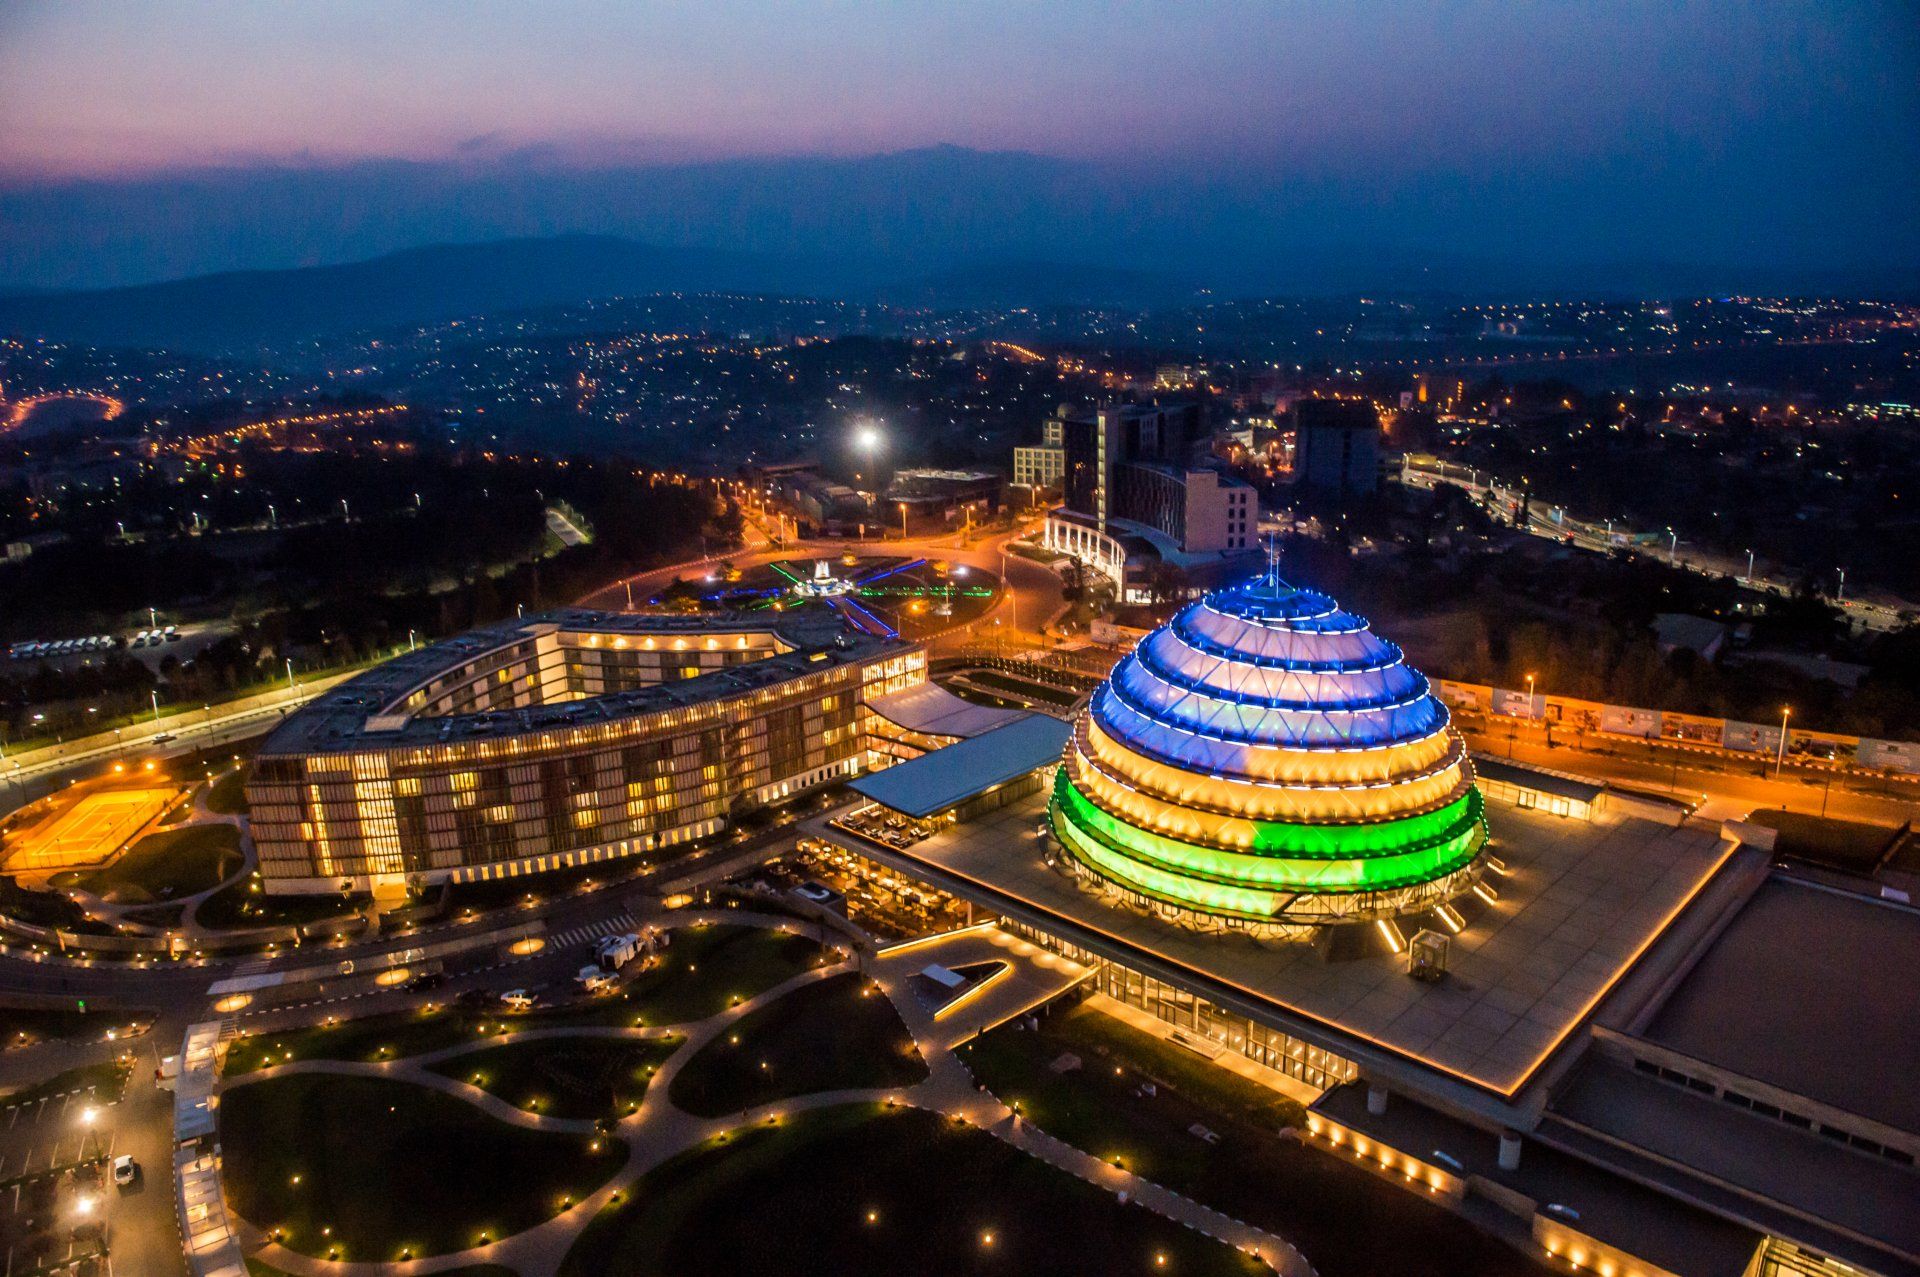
(1264, 762)
(561, 740)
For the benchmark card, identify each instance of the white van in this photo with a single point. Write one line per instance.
(594, 980)
(615, 952)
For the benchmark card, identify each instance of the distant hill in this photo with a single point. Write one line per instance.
(246, 309)
(1015, 282)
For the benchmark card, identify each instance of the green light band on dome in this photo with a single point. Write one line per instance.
(1324, 839)
(1414, 860)
(1361, 841)
(1211, 897)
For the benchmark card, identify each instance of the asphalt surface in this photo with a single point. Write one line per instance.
(1732, 787)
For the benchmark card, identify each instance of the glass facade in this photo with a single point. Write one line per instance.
(488, 800)
(1282, 1052)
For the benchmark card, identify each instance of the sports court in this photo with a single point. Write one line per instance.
(90, 831)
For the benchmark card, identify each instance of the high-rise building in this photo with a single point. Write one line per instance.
(1132, 493)
(1336, 446)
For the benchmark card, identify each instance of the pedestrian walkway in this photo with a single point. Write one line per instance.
(658, 1131)
(619, 922)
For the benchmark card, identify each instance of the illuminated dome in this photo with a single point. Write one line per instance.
(1265, 760)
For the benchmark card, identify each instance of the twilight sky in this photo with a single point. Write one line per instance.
(1794, 124)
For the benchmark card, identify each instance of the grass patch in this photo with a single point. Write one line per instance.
(21, 1025)
(703, 971)
(585, 1078)
(168, 863)
(1345, 1220)
(368, 1041)
(105, 1080)
(389, 1167)
(228, 794)
(830, 1035)
(936, 1193)
(240, 906)
(707, 968)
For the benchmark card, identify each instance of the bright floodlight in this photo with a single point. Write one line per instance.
(866, 438)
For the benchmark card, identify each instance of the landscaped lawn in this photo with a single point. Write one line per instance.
(835, 1033)
(189, 859)
(703, 971)
(588, 1078)
(1345, 1220)
(240, 906)
(375, 1038)
(229, 792)
(22, 1025)
(387, 1166)
(856, 1190)
(731, 963)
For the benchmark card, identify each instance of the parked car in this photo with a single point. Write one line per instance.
(125, 1170)
(517, 1000)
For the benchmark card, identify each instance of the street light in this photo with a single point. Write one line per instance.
(1780, 758)
(1749, 567)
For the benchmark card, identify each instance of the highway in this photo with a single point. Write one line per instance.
(1730, 787)
(26, 777)
(1876, 611)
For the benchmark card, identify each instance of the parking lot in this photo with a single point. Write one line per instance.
(60, 1210)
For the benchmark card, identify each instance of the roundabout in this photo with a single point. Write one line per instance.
(886, 595)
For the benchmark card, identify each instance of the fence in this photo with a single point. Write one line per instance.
(1675, 728)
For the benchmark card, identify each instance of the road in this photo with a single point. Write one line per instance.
(24, 779)
(1874, 611)
(1029, 602)
(1732, 788)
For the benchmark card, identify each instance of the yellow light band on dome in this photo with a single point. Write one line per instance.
(1213, 828)
(1274, 765)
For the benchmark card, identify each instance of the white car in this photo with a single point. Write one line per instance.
(125, 1170)
(517, 1000)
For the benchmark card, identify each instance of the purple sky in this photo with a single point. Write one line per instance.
(146, 140)
(125, 87)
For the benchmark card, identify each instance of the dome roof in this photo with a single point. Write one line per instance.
(1265, 756)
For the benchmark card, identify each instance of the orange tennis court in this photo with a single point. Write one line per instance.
(90, 831)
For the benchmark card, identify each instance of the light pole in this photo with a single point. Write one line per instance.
(1841, 595)
(291, 686)
(154, 694)
(1749, 567)
(1673, 550)
(1013, 600)
(1780, 757)
(153, 618)
(903, 521)
(1530, 713)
